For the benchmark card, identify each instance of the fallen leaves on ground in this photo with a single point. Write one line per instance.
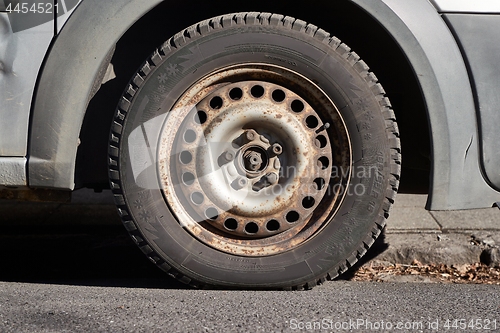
(475, 273)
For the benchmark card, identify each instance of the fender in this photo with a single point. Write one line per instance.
(72, 70)
(456, 179)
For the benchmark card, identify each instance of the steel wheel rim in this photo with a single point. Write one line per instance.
(226, 151)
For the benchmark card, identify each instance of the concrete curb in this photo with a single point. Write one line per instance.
(451, 249)
(439, 237)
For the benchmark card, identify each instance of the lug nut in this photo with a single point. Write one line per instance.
(228, 156)
(251, 135)
(272, 178)
(239, 183)
(277, 149)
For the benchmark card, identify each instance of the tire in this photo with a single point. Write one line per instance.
(254, 151)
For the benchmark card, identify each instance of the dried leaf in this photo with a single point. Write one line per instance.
(476, 273)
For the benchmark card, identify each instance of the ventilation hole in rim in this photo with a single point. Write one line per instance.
(197, 198)
(297, 106)
(312, 122)
(231, 224)
(236, 94)
(188, 178)
(251, 228)
(272, 225)
(320, 183)
(211, 213)
(257, 91)
(190, 136)
(292, 216)
(216, 103)
(278, 95)
(321, 141)
(185, 157)
(308, 202)
(200, 117)
(323, 162)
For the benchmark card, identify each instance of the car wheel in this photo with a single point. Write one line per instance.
(253, 150)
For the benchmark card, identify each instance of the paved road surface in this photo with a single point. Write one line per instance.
(355, 306)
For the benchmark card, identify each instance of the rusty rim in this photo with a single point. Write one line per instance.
(254, 159)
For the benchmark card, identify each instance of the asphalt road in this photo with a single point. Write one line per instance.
(339, 306)
(81, 279)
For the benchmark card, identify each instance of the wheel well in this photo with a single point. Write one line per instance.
(341, 18)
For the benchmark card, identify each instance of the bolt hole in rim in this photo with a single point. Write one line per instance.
(251, 228)
(297, 106)
(185, 157)
(190, 136)
(200, 117)
(308, 202)
(236, 94)
(216, 103)
(321, 141)
(273, 225)
(319, 183)
(292, 216)
(231, 224)
(212, 213)
(323, 162)
(278, 95)
(257, 91)
(197, 198)
(271, 194)
(188, 178)
(312, 122)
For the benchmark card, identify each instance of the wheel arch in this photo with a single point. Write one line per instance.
(72, 72)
